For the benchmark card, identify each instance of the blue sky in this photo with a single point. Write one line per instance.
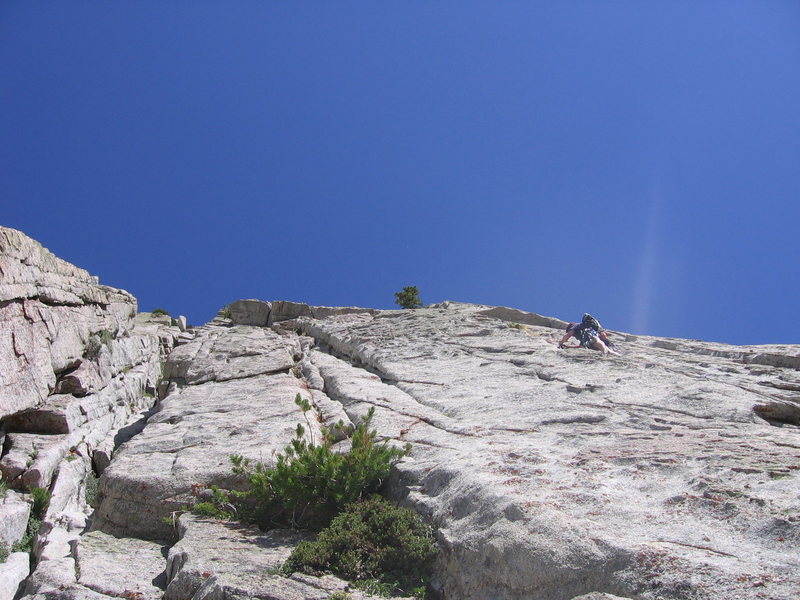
(636, 160)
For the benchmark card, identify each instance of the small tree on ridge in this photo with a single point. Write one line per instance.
(408, 297)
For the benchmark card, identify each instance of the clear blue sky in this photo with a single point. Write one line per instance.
(636, 160)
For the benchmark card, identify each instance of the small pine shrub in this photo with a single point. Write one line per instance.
(380, 547)
(225, 312)
(311, 483)
(160, 311)
(408, 297)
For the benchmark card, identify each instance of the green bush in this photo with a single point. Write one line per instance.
(3, 553)
(219, 506)
(311, 483)
(408, 297)
(160, 311)
(90, 488)
(41, 500)
(375, 544)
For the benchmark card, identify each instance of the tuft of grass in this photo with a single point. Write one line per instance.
(41, 500)
(96, 341)
(219, 506)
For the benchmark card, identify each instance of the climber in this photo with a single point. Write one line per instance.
(590, 335)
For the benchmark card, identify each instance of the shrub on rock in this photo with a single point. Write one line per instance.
(408, 297)
(373, 543)
(311, 483)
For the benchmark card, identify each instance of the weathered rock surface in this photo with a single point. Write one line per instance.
(250, 312)
(12, 573)
(14, 512)
(670, 473)
(76, 371)
(49, 311)
(241, 401)
(121, 567)
(219, 356)
(556, 473)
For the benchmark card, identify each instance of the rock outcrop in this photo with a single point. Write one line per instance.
(77, 375)
(557, 473)
(670, 472)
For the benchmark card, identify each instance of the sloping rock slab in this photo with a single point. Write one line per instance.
(224, 353)
(121, 567)
(556, 473)
(187, 445)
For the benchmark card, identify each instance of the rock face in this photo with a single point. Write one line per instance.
(557, 473)
(670, 472)
(76, 374)
(51, 314)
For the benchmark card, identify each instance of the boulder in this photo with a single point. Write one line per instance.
(283, 310)
(250, 312)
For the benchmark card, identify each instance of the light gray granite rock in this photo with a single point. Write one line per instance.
(12, 573)
(14, 511)
(283, 310)
(187, 445)
(557, 473)
(221, 354)
(49, 310)
(670, 473)
(220, 559)
(283, 313)
(250, 312)
(121, 567)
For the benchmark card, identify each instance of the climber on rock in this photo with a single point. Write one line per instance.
(590, 335)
